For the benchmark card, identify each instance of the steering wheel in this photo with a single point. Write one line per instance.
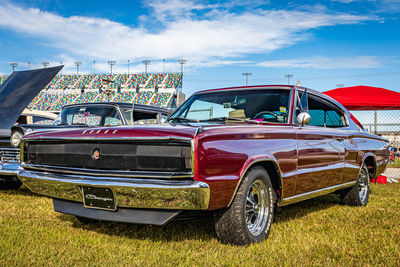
(261, 114)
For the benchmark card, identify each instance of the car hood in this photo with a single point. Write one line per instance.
(137, 131)
(18, 91)
(170, 131)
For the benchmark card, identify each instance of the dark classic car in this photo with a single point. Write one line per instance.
(74, 116)
(15, 94)
(236, 152)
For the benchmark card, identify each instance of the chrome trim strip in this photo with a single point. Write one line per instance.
(248, 88)
(111, 173)
(316, 193)
(129, 193)
(248, 167)
(51, 138)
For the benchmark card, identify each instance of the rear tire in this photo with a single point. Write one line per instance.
(358, 195)
(249, 218)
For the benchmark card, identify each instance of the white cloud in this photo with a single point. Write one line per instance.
(222, 37)
(321, 62)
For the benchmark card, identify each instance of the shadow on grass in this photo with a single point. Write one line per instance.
(201, 228)
(304, 208)
(22, 191)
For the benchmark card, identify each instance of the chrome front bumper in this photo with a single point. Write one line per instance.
(128, 192)
(9, 169)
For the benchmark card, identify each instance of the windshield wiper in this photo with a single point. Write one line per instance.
(224, 119)
(179, 119)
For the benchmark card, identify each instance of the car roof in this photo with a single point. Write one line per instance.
(139, 107)
(260, 87)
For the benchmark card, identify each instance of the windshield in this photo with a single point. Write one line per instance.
(271, 105)
(89, 116)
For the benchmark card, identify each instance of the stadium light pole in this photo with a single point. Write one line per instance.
(288, 76)
(111, 63)
(340, 85)
(182, 62)
(146, 63)
(45, 64)
(246, 74)
(77, 64)
(94, 66)
(29, 65)
(128, 65)
(13, 65)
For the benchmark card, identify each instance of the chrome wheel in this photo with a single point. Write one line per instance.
(363, 184)
(256, 208)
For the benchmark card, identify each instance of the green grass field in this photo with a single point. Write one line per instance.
(394, 164)
(316, 232)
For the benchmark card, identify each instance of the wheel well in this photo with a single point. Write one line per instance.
(273, 172)
(371, 165)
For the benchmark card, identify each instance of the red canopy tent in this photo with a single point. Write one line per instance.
(366, 98)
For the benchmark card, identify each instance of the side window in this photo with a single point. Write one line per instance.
(324, 115)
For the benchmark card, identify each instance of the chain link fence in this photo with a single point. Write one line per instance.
(385, 123)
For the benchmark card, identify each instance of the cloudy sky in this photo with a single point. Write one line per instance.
(322, 43)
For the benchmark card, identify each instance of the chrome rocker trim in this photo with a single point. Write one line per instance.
(316, 193)
(128, 192)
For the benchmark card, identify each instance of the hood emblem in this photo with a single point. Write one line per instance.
(96, 154)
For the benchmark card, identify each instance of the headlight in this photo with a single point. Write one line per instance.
(15, 138)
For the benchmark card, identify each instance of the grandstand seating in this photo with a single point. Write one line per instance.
(173, 80)
(64, 100)
(45, 101)
(70, 89)
(3, 78)
(84, 81)
(67, 81)
(126, 97)
(156, 79)
(160, 99)
(143, 97)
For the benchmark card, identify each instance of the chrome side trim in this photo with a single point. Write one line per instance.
(51, 138)
(128, 193)
(316, 193)
(111, 173)
(248, 167)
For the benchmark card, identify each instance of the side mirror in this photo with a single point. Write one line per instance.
(303, 118)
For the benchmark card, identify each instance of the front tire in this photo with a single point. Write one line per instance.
(249, 218)
(358, 195)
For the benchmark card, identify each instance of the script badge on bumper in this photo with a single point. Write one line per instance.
(98, 198)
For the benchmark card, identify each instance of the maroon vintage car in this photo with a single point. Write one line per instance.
(238, 152)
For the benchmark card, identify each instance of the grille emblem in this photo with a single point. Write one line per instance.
(96, 154)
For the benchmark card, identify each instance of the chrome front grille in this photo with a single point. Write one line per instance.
(137, 158)
(9, 155)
